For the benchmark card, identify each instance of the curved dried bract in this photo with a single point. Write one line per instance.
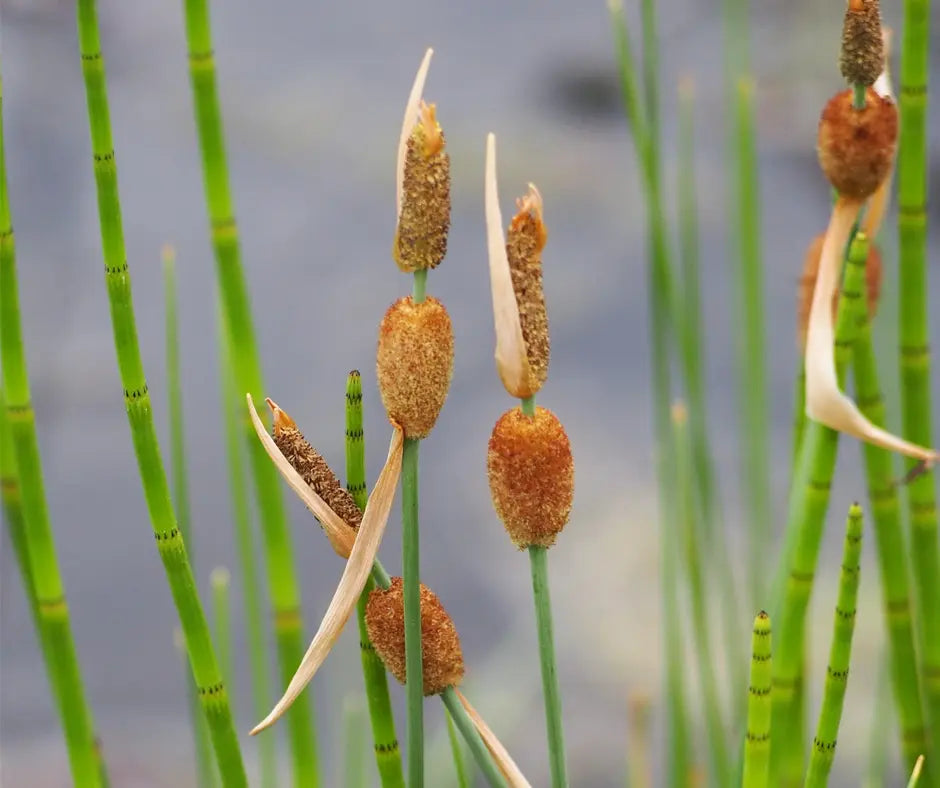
(878, 202)
(341, 536)
(825, 403)
(504, 761)
(511, 359)
(407, 125)
(351, 584)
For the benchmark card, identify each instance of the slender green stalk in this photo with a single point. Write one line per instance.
(203, 750)
(809, 500)
(799, 414)
(354, 728)
(858, 95)
(420, 285)
(880, 722)
(385, 741)
(840, 653)
(757, 735)
(258, 655)
(281, 576)
(914, 337)
(891, 553)
(538, 558)
(221, 580)
(411, 579)
(528, 406)
(470, 734)
(456, 748)
(38, 544)
(206, 773)
(170, 545)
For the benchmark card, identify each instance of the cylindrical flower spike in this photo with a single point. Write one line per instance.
(531, 474)
(442, 658)
(856, 146)
(862, 57)
(415, 363)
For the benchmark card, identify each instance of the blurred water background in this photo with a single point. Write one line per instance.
(312, 95)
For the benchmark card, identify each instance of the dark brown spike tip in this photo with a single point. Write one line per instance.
(862, 57)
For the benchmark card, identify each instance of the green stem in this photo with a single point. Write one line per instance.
(456, 749)
(799, 414)
(914, 337)
(757, 737)
(385, 740)
(234, 416)
(55, 629)
(858, 96)
(840, 652)
(538, 558)
(419, 286)
(470, 734)
(283, 588)
(170, 545)
(411, 563)
(528, 406)
(220, 580)
(880, 721)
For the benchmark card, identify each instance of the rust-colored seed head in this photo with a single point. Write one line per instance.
(856, 146)
(421, 236)
(313, 468)
(441, 657)
(862, 58)
(531, 475)
(524, 244)
(808, 284)
(415, 363)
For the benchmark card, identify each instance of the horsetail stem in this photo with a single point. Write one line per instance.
(837, 672)
(387, 754)
(456, 749)
(220, 580)
(472, 736)
(914, 338)
(281, 577)
(809, 499)
(757, 734)
(411, 572)
(41, 568)
(258, 655)
(140, 417)
(891, 553)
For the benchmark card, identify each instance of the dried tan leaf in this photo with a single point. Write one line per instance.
(341, 536)
(407, 126)
(878, 202)
(504, 761)
(350, 586)
(825, 403)
(512, 362)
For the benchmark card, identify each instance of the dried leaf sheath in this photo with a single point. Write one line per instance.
(352, 582)
(407, 126)
(500, 754)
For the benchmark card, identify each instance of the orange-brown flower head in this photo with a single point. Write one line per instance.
(808, 283)
(531, 475)
(441, 658)
(862, 58)
(307, 461)
(856, 146)
(424, 218)
(524, 244)
(415, 363)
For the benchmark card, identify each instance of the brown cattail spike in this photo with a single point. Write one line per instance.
(441, 656)
(524, 244)
(424, 219)
(415, 363)
(873, 275)
(531, 475)
(863, 57)
(307, 461)
(856, 146)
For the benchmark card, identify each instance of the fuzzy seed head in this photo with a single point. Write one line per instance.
(314, 470)
(441, 658)
(862, 58)
(531, 475)
(856, 146)
(424, 219)
(524, 243)
(415, 363)
(873, 275)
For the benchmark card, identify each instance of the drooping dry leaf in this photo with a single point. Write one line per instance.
(878, 203)
(351, 583)
(504, 761)
(407, 126)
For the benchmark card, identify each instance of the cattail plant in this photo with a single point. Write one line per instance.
(529, 462)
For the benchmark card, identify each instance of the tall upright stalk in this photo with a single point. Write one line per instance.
(385, 741)
(840, 652)
(42, 567)
(282, 580)
(252, 591)
(170, 544)
(914, 337)
(411, 563)
(758, 730)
